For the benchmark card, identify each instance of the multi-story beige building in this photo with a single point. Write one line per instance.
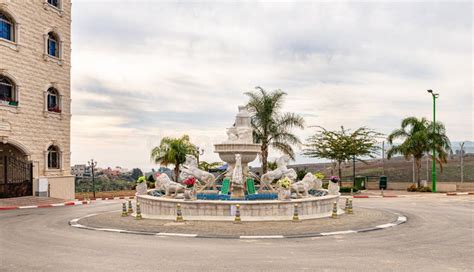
(35, 98)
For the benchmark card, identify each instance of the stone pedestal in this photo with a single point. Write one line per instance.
(237, 192)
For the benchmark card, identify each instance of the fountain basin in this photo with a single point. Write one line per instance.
(227, 152)
(224, 210)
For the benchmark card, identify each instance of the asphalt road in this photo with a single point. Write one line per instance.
(439, 236)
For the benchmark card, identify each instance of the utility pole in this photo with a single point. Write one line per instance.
(92, 165)
(383, 158)
(353, 170)
(433, 168)
(462, 161)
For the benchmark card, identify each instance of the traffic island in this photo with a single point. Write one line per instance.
(362, 221)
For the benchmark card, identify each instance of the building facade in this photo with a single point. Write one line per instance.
(80, 170)
(35, 98)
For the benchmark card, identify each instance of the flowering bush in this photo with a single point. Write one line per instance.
(335, 179)
(284, 183)
(189, 182)
(319, 175)
(141, 179)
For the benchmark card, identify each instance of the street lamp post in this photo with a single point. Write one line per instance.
(462, 161)
(92, 165)
(433, 167)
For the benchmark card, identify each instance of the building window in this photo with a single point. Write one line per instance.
(53, 100)
(53, 157)
(54, 3)
(53, 45)
(7, 92)
(6, 27)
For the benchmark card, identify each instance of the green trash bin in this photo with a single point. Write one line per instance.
(383, 182)
(360, 182)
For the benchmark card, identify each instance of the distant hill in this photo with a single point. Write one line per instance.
(396, 169)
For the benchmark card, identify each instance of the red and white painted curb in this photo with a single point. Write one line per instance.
(459, 194)
(378, 196)
(111, 198)
(69, 203)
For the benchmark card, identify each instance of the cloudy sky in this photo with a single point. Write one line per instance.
(146, 69)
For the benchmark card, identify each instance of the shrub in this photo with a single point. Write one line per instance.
(319, 175)
(284, 183)
(424, 189)
(141, 179)
(412, 188)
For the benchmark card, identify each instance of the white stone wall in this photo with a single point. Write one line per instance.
(165, 208)
(31, 127)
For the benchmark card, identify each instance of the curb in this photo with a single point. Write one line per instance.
(110, 198)
(400, 220)
(378, 196)
(459, 194)
(70, 203)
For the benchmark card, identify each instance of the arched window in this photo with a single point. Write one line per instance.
(6, 27)
(53, 45)
(7, 92)
(54, 3)
(53, 157)
(53, 100)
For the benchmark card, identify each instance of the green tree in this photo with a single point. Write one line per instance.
(173, 151)
(271, 127)
(342, 145)
(418, 139)
(136, 173)
(300, 173)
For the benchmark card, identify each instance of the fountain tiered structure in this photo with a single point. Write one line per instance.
(238, 187)
(239, 150)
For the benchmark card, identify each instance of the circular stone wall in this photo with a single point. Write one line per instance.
(221, 210)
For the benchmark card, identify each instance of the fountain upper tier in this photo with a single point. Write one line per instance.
(239, 141)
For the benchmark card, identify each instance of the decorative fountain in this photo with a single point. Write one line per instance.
(238, 187)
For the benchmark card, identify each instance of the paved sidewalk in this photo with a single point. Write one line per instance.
(29, 201)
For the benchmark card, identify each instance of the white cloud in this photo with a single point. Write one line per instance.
(142, 70)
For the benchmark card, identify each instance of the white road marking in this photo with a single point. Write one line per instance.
(338, 232)
(262, 237)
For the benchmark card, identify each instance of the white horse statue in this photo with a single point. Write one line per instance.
(280, 172)
(171, 188)
(302, 187)
(190, 169)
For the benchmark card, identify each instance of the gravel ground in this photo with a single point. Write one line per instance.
(362, 218)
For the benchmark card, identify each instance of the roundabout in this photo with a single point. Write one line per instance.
(436, 237)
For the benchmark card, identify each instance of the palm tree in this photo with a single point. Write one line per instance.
(419, 139)
(204, 165)
(173, 151)
(271, 127)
